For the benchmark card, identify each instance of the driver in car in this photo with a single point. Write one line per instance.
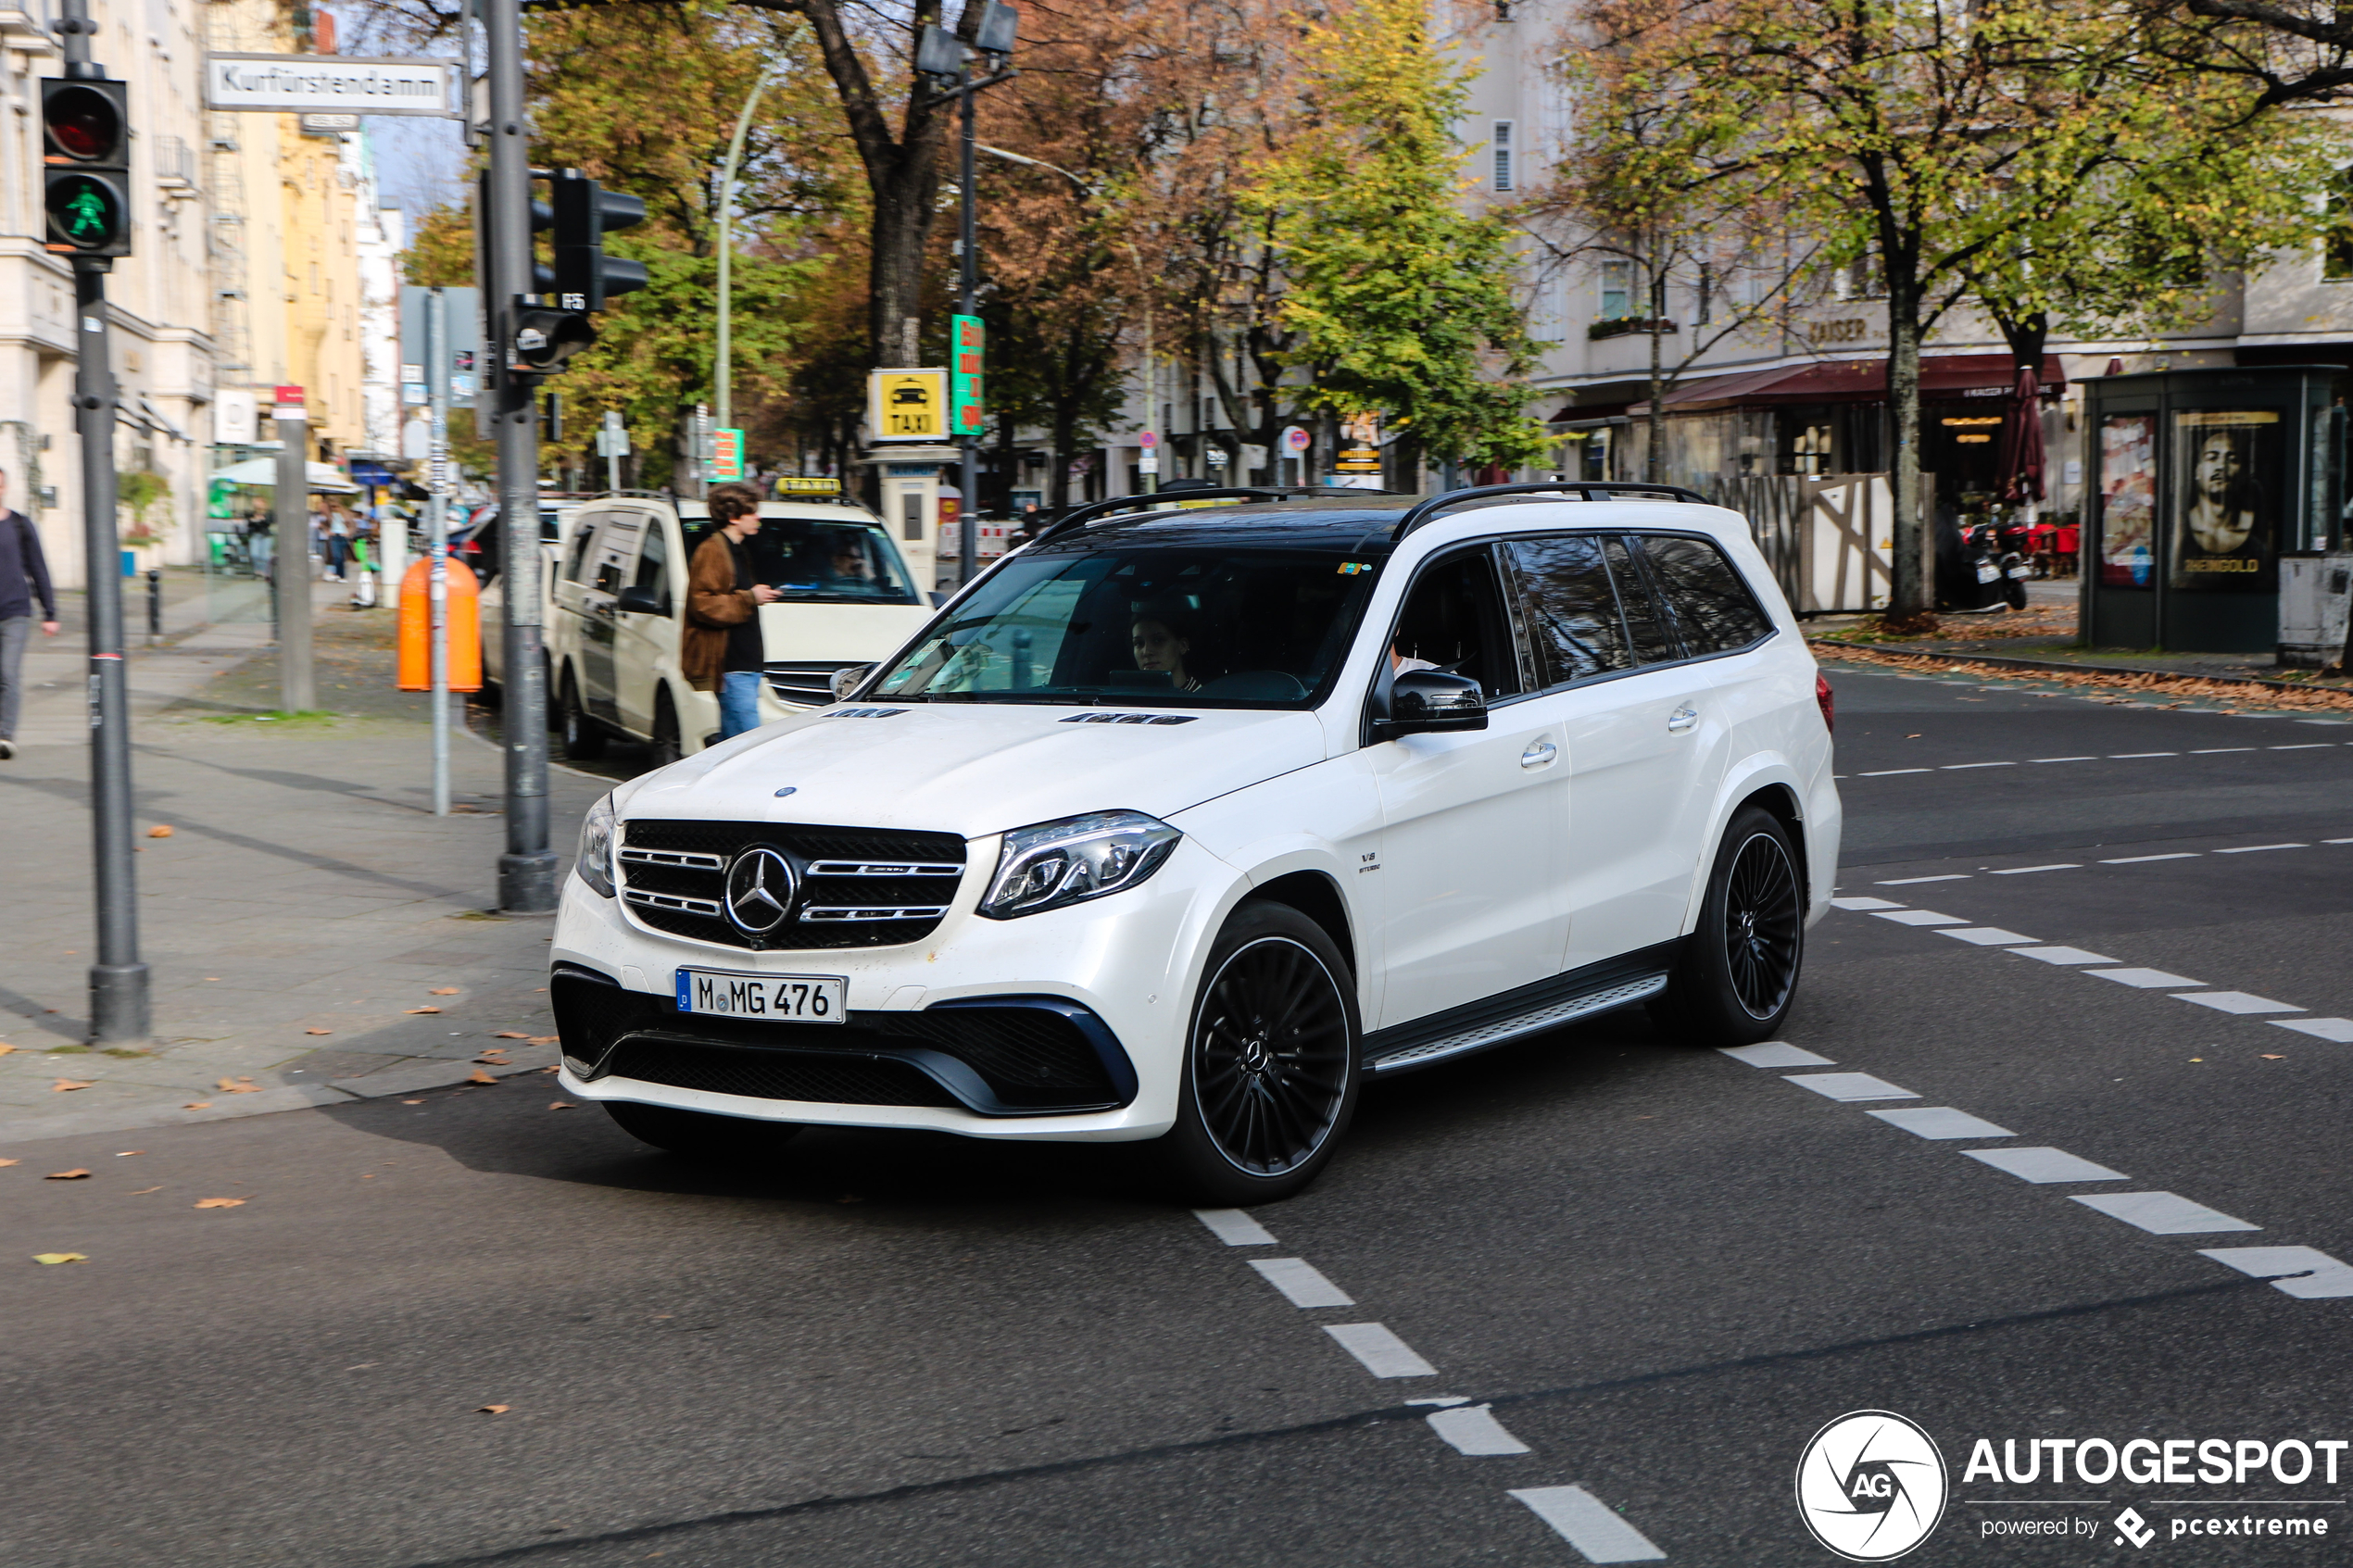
(1158, 638)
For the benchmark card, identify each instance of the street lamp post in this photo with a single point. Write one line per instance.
(723, 369)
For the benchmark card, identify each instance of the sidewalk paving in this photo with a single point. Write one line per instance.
(305, 903)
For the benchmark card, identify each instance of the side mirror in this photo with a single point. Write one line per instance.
(849, 678)
(1420, 702)
(640, 601)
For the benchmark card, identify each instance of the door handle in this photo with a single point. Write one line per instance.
(1540, 755)
(1681, 719)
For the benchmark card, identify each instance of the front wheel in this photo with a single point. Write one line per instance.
(665, 748)
(1270, 1069)
(584, 740)
(1738, 974)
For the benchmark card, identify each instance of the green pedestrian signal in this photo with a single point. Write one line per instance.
(85, 158)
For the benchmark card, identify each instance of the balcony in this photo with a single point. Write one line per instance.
(1626, 326)
(175, 164)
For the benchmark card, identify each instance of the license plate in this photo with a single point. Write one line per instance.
(788, 998)
(1989, 573)
(2021, 571)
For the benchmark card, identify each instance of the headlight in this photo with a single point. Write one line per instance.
(1080, 858)
(595, 861)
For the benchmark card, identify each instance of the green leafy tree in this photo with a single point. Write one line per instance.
(1400, 298)
(2041, 157)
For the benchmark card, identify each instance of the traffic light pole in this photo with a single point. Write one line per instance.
(967, 289)
(119, 1004)
(527, 871)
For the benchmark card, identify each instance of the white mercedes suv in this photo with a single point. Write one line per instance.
(1179, 824)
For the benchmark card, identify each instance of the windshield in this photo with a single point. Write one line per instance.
(1169, 627)
(846, 559)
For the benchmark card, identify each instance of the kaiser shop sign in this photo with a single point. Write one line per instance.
(330, 84)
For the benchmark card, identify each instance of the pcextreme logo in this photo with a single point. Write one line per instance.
(1871, 1485)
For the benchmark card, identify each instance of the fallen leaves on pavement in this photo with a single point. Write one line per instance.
(443, 991)
(237, 1086)
(73, 1175)
(66, 1085)
(543, 1039)
(141, 1192)
(59, 1258)
(317, 1031)
(561, 1105)
(220, 1203)
(5, 1049)
(491, 1409)
(425, 1010)
(198, 1105)
(511, 1035)
(478, 1076)
(11, 1162)
(412, 1102)
(161, 830)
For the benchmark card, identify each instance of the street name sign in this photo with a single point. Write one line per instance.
(330, 84)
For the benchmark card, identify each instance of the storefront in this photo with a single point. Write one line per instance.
(2200, 480)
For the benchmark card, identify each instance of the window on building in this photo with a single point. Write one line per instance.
(1502, 142)
(1618, 290)
(2337, 249)
(1859, 279)
(1704, 303)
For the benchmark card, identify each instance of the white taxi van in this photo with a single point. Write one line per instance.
(1180, 825)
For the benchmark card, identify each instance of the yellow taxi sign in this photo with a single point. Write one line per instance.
(799, 485)
(907, 404)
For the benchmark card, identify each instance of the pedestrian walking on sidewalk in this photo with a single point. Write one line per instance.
(722, 651)
(24, 577)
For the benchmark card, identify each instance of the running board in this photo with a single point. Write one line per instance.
(1532, 1008)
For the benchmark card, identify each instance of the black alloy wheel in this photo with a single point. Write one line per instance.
(1270, 1063)
(665, 748)
(1738, 974)
(584, 740)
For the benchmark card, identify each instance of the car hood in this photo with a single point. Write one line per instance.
(974, 768)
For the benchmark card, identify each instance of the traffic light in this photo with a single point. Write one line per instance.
(545, 339)
(584, 214)
(85, 153)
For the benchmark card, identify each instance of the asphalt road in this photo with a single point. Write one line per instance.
(1661, 1268)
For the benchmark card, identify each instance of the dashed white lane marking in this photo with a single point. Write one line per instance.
(1865, 904)
(2062, 955)
(2131, 756)
(2218, 750)
(1383, 1353)
(1987, 937)
(1920, 917)
(1849, 1086)
(2161, 1214)
(1301, 1283)
(2337, 841)
(2314, 1275)
(2143, 860)
(1586, 1523)
(1890, 773)
(2302, 745)
(1234, 1228)
(2062, 758)
(2234, 1001)
(2259, 848)
(2043, 1166)
(1907, 881)
(2024, 871)
(2144, 979)
(1473, 1430)
(1957, 767)
(1940, 1122)
(2337, 1029)
(1775, 1053)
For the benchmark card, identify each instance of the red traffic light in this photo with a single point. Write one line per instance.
(82, 122)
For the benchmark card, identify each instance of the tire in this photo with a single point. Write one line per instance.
(1270, 1071)
(2014, 592)
(697, 1134)
(584, 741)
(1738, 974)
(664, 749)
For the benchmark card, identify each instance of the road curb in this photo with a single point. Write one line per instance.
(2042, 666)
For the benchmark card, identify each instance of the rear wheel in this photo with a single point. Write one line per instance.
(582, 739)
(664, 749)
(697, 1134)
(1270, 1071)
(1738, 974)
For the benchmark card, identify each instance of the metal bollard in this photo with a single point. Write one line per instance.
(155, 604)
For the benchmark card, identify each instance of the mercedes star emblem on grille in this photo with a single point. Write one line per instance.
(760, 890)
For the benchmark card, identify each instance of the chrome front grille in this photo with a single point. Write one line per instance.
(857, 888)
(805, 683)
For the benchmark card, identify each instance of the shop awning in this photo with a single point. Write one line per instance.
(1942, 376)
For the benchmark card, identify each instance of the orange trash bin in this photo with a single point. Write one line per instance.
(416, 628)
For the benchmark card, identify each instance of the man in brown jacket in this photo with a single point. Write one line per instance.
(721, 649)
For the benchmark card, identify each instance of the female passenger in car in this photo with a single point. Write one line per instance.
(1160, 644)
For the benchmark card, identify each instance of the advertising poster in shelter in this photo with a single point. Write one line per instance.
(2128, 500)
(2226, 500)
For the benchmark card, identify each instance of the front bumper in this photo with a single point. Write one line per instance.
(1066, 1025)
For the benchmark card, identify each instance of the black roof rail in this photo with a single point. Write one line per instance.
(1583, 491)
(1072, 522)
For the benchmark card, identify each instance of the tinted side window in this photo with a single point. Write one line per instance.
(1455, 619)
(578, 555)
(1571, 613)
(653, 561)
(1653, 644)
(1713, 607)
